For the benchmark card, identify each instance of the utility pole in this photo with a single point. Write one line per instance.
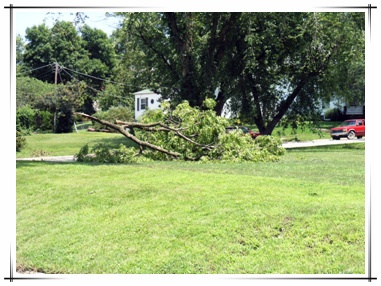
(55, 112)
(55, 79)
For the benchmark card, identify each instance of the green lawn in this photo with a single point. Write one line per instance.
(69, 143)
(304, 214)
(304, 134)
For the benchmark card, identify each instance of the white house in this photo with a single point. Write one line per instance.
(148, 99)
(145, 99)
(349, 110)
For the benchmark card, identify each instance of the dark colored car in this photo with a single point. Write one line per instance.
(244, 129)
(349, 128)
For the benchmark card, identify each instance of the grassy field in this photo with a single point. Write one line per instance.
(304, 214)
(68, 143)
(304, 134)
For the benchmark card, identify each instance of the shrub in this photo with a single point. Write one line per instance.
(20, 140)
(29, 88)
(65, 120)
(121, 113)
(100, 153)
(26, 117)
(62, 102)
(334, 114)
(45, 120)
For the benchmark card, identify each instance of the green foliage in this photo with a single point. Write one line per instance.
(62, 102)
(114, 113)
(205, 129)
(101, 153)
(45, 120)
(37, 101)
(28, 89)
(61, 44)
(296, 60)
(20, 139)
(116, 95)
(334, 114)
(268, 64)
(270, 145)
(184, 55)
(20, 44)
(299, 126)
(26, 117)
(88, 51)
(82, 156)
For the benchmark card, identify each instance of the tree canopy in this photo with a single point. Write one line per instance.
(263, 66)
(82, 51)
(268, 64)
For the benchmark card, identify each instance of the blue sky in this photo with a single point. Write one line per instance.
(29, 19)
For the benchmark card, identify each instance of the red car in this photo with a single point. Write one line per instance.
(349, 128)
(244, 129)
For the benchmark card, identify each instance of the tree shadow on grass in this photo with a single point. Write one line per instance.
(23, 164)
(114, 142)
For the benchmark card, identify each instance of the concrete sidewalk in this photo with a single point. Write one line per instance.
(50, 159)
(320, 142)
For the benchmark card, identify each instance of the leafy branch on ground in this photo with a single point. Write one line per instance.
(190, 134)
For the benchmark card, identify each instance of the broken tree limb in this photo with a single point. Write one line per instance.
(121, 130)
(165, 128)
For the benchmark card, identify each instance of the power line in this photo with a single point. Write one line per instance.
(96, 89)
(63, 68)
(102, 78)
(45, 74)
(34, 69)
(93, 76)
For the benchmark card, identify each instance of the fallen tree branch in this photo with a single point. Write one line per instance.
(121, 130)
(166, 128)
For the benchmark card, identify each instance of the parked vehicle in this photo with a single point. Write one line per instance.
(244, 129)
(349, 128)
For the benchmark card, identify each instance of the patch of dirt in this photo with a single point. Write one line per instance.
(325, 130)
(21, 270)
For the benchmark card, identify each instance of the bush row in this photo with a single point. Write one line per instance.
(334, 114)
(34, 119)
(121, 113)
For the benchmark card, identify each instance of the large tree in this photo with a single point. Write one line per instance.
(84, 51)
(269, 64)
(183, 56)
(293, 61)
(60, 44)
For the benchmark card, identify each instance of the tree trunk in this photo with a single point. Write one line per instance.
(284, 106)
(220, 103)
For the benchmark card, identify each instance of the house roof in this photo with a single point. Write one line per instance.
(144, 91)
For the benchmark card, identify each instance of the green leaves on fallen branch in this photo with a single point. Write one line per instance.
(190, 134)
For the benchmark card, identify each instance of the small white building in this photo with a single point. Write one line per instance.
(145, 99)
